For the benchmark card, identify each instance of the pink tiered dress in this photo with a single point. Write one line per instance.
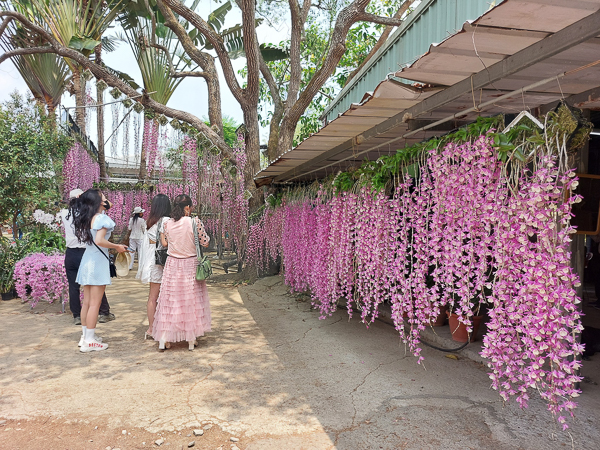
(183, 309)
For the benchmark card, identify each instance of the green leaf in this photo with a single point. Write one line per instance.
(270, 53)
(161, 30)
(80, 44)
(216, 19)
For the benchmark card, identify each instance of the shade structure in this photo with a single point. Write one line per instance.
(520, 55)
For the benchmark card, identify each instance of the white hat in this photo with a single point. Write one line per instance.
(138, 209)
(75, 193)
(122, 262)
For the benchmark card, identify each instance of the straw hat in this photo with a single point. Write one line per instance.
(122, 262)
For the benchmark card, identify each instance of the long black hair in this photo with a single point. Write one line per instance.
(72, 208)
(84, 210)
(180, 202)
(161, 207)
(135, 217)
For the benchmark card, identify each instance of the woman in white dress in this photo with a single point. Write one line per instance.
(148, 270)
(137, 226)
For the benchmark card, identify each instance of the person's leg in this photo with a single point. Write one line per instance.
(151, 306)
(72, 260)
(134, 244)
(85, 305)
(91, 318)
(90, 342)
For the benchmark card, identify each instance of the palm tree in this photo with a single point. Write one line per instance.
(78, 24)
(157, 66)
(46, 74)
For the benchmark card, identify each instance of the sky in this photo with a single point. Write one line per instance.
(191, 94)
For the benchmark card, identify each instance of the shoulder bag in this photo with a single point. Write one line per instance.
(160, 255)
(203, 269)
(111, 265)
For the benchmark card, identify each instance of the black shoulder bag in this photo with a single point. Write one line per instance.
(160, 254)
(111, 265)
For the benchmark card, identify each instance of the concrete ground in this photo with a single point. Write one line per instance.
(270, 376)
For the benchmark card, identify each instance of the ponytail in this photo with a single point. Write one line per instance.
(180, 202)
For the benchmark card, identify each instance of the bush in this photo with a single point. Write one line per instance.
(41, 277)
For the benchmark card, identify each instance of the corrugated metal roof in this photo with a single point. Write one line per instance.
(364, 130)
(431, 21)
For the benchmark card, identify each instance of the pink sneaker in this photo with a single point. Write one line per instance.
(93, 346)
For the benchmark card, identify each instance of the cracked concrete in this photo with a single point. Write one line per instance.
(272, 374)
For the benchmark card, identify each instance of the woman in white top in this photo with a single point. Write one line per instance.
(148, 270)
(137, 226)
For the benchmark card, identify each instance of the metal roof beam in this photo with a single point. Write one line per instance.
(574, 34)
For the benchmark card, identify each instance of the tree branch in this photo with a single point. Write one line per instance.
(204, 60)
(4, 24)
(25, 51)
(295, 52)
(103, 74)
(215, 40)
(189, 74)
(382, 39)
(373, 18)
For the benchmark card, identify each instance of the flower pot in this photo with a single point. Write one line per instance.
(459, 329)
(440, 319)
(8, 295)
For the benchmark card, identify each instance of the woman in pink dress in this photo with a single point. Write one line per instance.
(183, 311)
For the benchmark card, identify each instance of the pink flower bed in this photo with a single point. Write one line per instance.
(39, 277)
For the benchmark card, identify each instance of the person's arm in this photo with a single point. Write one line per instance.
(101, 241)
(162, 232)
(203, 238)
(130, 222)
(163, 240)
(143, 226)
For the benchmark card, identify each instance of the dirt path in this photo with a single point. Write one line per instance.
(270, 374)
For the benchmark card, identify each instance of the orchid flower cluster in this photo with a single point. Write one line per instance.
(534, 321)
(51, 221)
(80, 170)
(462, 234)
(224, 201)
(150, 142)
(39, 277)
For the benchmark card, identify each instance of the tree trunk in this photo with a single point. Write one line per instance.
(51, 111)
(252, 142)
(100, 121)
(215, 115)
(79, 88)
(100, 126)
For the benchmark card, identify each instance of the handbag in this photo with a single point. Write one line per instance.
(160, 254)
(203, 269)
(111, 265)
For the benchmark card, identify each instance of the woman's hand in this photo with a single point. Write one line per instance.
(121, 248)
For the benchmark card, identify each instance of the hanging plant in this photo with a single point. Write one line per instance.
(162, 120)
(149, 114)
(175, 124)
(101, 85)
(87, 75)
(138, 107)
(115, 93)
(127, 103)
